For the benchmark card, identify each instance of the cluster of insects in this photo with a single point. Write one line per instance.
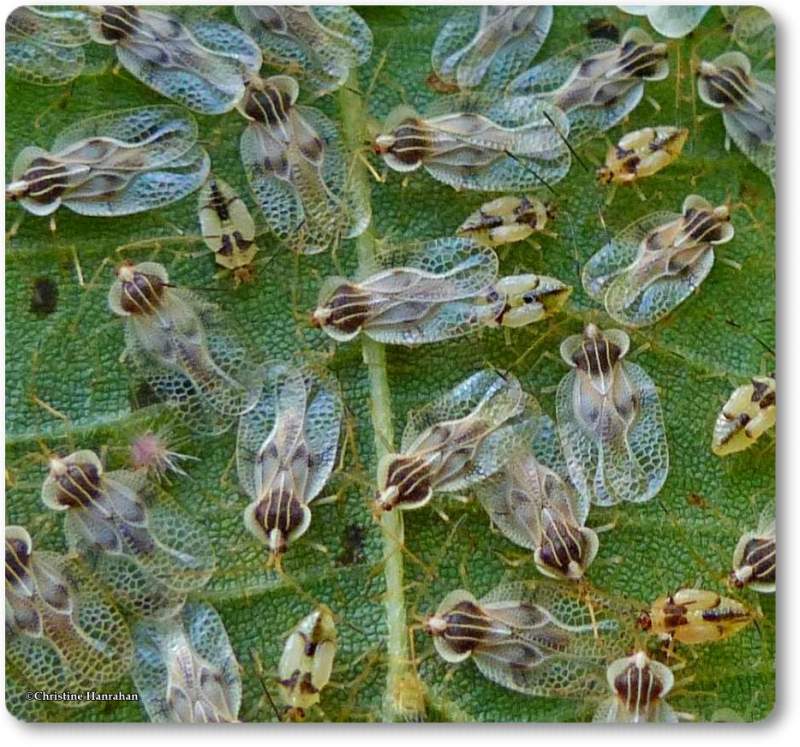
(126, 595)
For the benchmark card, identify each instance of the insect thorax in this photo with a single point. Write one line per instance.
(118, 22)
(597, 356)
(141, 292)
(411, 477)
(465, 627)
(78, 485)
(267, 104)
(637, 687)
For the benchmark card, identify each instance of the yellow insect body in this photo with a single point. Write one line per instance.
(642, 153)
(695, 616)
(745, 417)
(307, 661)
(227, 227)
(506, 220)
(528, 298)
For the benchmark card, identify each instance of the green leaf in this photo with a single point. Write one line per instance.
(66, 389)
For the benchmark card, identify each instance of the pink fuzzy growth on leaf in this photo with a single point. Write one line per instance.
(151, 452)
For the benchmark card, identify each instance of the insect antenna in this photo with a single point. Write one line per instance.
(566, 142)
(525, 166)
(259, 669)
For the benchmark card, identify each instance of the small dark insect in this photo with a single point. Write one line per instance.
(44, 297)
(602, 28)
(352, 545)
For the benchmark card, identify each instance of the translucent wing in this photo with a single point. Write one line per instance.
(157, 135)
(597, 83)
(558, 493)
(418, 323)
(547, 77)
(323, 424)
(630, 464)
(318, 43)
(486, 393)
(276, 419)
(760, 152)
(38, 664)
(179, 393)
(512, 39)
(300, 185)
(185, 669)
(422, 292)
(349, 209)
(500, 145)
(489, 43)
(620, 253)
(674, 21)
(266, 165)
(558, 676)
(766, 520)
(351, 33)
(150, 558)
(129, 161)
(57, 25)
(192, 357)
(109, 196)
(79, 636)
(554, 647)
(515, 496)
(241, 376)
(753, 28)
(150, 669)
(44, 46)
(517, 516)
(627, 302)
(647, 437)
(43, 64)
(444, 270)
(484, 418)
(241, 53)
(203, 67)
(613, 455)
(642, 284)
(515, 124)
(586, 122)
(452, 42)
(209, 639)
(187, 559)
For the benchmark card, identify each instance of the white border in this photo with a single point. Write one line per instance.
(784, 722)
